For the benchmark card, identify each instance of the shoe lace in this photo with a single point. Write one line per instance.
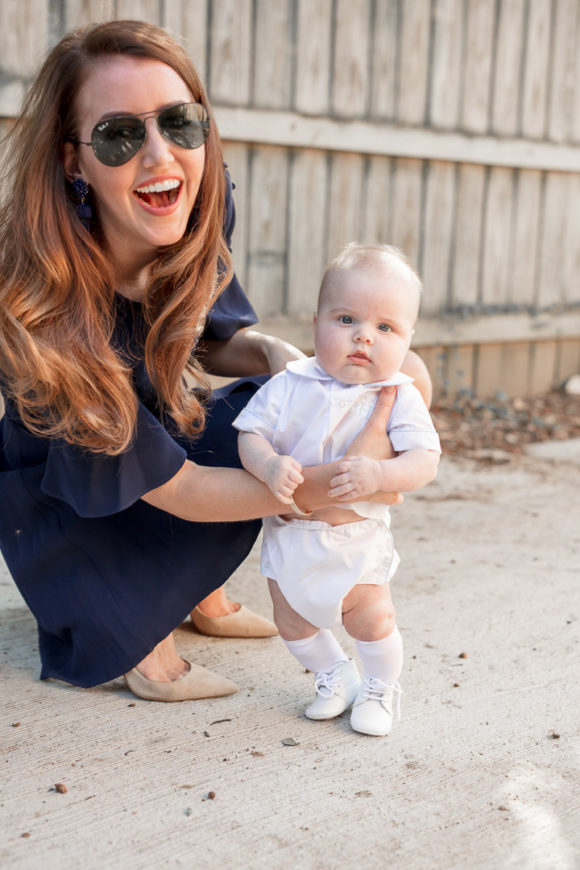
(373, 689)
(327, 683)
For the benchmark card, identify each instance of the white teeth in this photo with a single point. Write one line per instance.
(160, 186)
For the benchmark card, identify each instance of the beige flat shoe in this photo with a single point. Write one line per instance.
(197, 683)
(242, 623)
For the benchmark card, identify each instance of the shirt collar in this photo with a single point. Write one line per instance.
(309, 368)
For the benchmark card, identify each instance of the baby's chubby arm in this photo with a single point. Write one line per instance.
(281, 474)
(359, 476)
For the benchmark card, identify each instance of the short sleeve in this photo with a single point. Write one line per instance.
(410, 425)
(232, 310)
(95, 485)
(262, 412)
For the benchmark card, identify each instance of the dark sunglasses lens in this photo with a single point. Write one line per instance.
(116, 140)
(186, 125)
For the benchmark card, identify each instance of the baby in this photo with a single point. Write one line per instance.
(334, 565)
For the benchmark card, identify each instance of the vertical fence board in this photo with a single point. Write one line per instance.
(384, 60)
(477, 71)
(350, 84)
(231, 51)
(489, 370)
(413, 62)
(237, 159)
(468, 230)
(345, 203)
(313, 56)
(267, 229)
(563, 82)
(495, 261)
(144, 10)
(23, 42)
(515, 369)
(76, 13)
(536, 71)
(439, 220)
(552, 241)
(524, 252)
(187, 21)
(406, 207)
(306, 243)
(542, 367)
(570, 266)
(459, 370)
(575, 108)
(273, 54)
(376, 223)
(568, 362)
(435, 360)
(446, 72)
(508, 64)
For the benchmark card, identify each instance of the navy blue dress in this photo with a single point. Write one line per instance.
(106, 575)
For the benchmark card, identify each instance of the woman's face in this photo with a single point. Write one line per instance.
(135, 219)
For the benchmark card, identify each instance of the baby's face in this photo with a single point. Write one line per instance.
(364, 324)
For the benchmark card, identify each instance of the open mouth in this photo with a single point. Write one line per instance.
(161, 194)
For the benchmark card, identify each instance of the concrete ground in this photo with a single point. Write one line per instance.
(482, 771)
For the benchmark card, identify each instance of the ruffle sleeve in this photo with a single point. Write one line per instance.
(232, 310)
(95, 485)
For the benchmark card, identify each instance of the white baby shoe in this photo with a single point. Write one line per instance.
(335, 691)
(372, 711)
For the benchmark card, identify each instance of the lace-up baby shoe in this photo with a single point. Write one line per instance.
(335, 691)
(372, 711)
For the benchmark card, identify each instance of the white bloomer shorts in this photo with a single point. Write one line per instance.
(316, 564)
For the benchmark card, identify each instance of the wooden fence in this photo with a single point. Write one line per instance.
(448, 127)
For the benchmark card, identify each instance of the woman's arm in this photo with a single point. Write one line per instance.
(246, 353)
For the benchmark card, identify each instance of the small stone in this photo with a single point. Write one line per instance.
(289, 741)
(463, 655)
(60, 787)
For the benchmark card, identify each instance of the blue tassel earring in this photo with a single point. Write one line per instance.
(84, 211)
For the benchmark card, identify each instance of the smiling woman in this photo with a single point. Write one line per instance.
(123, 506)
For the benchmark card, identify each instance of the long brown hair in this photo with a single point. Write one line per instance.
(56, 284)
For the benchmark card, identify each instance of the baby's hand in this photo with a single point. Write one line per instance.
(358, 476)
(282, 475)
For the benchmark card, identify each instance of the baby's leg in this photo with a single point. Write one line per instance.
(336, 678)
(369, 616)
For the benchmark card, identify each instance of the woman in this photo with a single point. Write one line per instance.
(122, 503)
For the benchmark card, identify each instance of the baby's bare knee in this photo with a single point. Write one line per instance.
(290, 624)
(371, 615)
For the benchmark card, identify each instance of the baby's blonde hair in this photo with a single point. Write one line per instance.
(356, 255)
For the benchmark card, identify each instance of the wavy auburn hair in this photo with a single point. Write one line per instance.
(56, 284)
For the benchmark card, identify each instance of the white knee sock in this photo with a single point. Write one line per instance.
(318, 653)
(383, 658)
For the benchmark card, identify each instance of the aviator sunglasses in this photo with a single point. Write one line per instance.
(116, 140)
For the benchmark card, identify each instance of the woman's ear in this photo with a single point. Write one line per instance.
(70, 161)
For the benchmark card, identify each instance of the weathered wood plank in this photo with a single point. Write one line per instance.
(23, 44)
(186, 20)
(459, 370)
(313, 55)
(267, 229)
(536, 69)
(553, 238)
(505, 115)
(413, 62)
(515, 369)
(446, 72)
(345, 201)
(237, 159)
(230, 51)
(489, 370)
(273, 43)
(543, 368)
(568, 361)
(376, 219)
(495, 256)
(468, 233)
(307, 231)
(477, 69)
(524, 253)
(563, 81)
(350, 85)
(438, 226)
(570, 268)
(79, 12)
(145, 10)
(406, 207)
(384, 59)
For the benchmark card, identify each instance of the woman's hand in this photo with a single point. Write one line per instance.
(373, 440)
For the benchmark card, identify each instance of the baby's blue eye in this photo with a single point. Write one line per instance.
(384, 327)
(346, 318)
